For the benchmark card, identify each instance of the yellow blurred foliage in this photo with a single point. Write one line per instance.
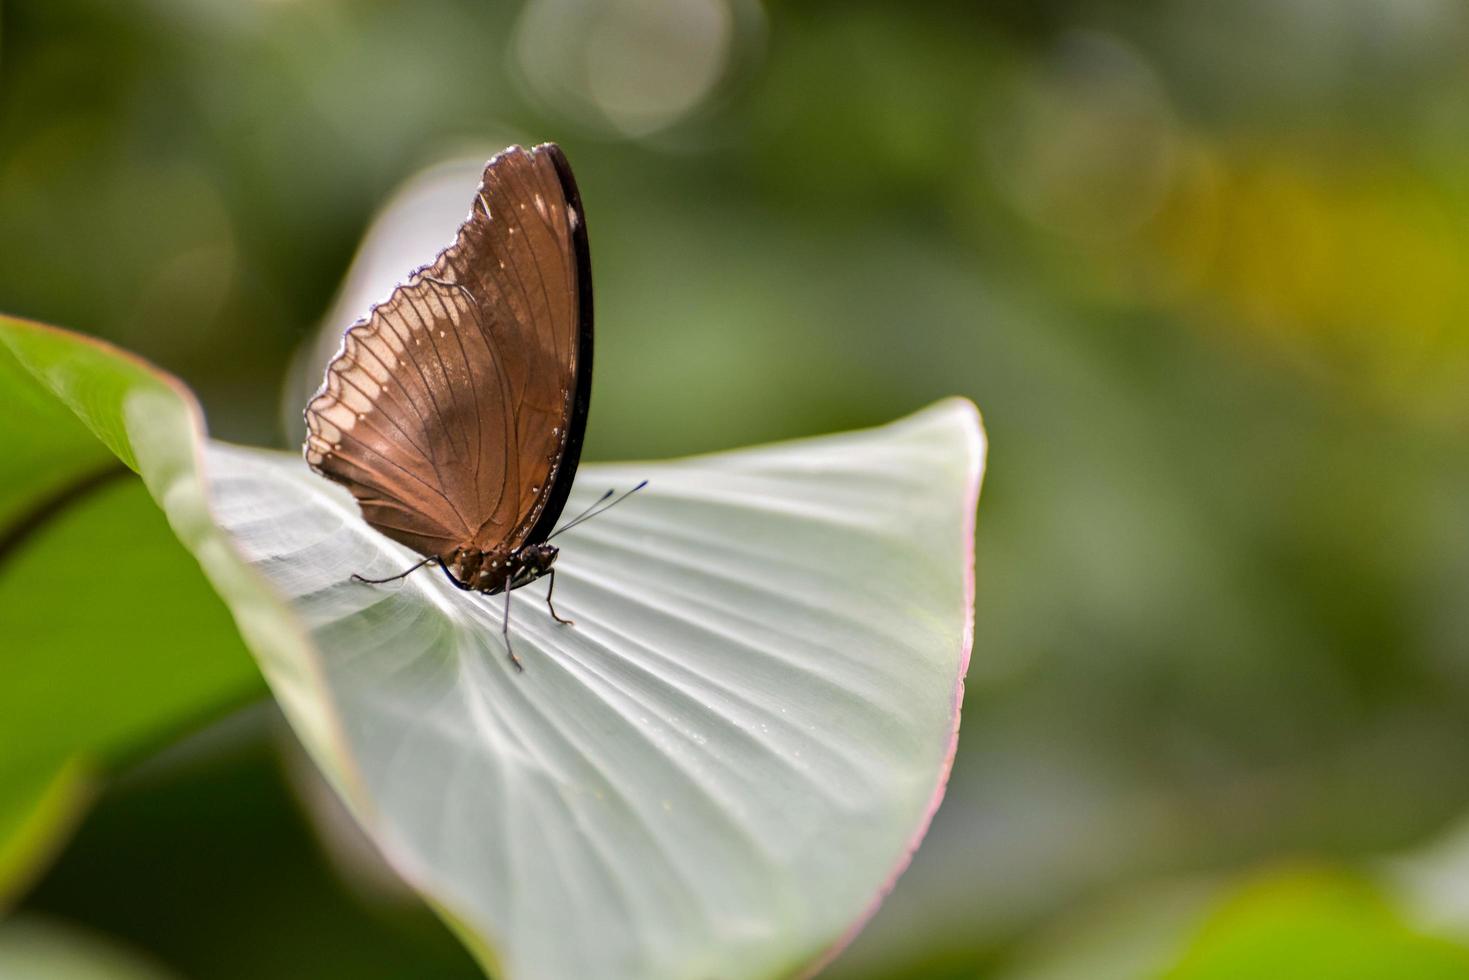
(1347, 260)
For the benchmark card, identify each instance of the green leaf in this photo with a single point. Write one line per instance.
(1291, 922)
(47, 448)
(717, 772)
(33, 948)
(1315, 923)
(112, 637)
(1129, 935)
(41, 799)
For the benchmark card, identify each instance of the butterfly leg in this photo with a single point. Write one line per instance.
(461, 586)
(394, 578)
(549, 605)
(505, 629)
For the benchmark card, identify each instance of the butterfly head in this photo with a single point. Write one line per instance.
(533, 561)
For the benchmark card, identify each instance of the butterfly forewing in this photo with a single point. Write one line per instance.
(454, 412)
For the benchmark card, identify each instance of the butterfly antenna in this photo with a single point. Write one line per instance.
(597, 508)
(595, 504)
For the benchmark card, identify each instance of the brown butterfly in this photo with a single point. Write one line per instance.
(454, 411)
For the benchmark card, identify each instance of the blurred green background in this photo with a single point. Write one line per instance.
(1202, 265)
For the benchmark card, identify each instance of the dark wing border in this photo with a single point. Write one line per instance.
(576, 425)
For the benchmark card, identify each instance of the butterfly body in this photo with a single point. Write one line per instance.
(492, 572)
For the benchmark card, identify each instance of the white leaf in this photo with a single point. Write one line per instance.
(718, 771)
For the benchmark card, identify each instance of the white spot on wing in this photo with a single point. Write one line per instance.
(349, 399)
(341, 416)
(367, 382)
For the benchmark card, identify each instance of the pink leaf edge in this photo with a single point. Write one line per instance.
(978, 447)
